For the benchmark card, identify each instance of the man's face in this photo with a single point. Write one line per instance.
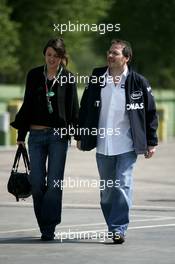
(115, 57)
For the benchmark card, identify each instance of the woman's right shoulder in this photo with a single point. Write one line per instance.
(36, 71)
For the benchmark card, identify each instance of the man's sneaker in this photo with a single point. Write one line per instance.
(118, 238)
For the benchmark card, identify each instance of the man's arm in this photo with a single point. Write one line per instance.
(82, 113)
(83, 109)
(151, 119)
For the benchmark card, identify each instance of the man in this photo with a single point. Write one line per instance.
(121, 103)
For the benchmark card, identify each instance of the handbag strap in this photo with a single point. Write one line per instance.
(17, 158)
(21, 150)
(26, 159)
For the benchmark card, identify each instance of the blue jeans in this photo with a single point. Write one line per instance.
(47, 160)
(116, 198)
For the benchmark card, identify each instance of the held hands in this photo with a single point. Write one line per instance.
(150, 152)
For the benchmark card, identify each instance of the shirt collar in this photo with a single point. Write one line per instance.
(124, 73)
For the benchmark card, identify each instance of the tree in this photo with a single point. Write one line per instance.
(37, 19)
(8, 44)
(149, 26)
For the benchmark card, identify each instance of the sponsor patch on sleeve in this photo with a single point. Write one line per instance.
(149, 90)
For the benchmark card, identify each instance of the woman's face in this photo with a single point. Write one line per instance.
(52, 59)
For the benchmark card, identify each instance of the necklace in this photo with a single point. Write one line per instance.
(50, 77)
(49, 92)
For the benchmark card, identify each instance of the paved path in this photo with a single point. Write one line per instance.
(151, 234)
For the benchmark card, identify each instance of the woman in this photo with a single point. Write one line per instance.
(49, 107)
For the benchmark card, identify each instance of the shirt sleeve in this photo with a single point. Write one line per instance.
(22, 119)
(151, 115)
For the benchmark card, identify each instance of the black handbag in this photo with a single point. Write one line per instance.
(18, 183)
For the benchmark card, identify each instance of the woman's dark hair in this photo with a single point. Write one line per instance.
(127, 49)
(58, 45)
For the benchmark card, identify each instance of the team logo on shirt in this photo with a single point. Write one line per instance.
(97, 103)
(136, 95)
(135, 106)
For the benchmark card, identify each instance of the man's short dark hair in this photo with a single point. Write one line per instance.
(127, 49)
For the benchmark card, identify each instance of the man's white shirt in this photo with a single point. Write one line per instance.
(114, 135)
